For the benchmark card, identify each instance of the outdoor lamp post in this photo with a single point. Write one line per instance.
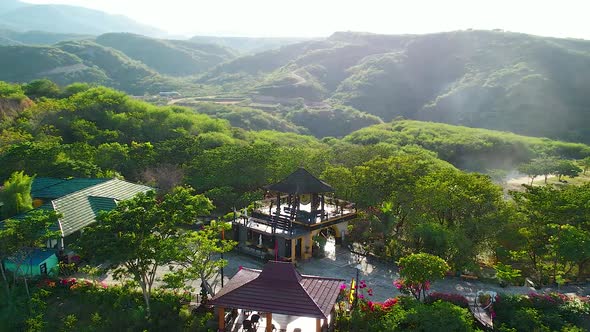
(356, 291)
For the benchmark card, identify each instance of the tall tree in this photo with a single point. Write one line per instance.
(566, 168)
(16, 195)
(200, 259)
(142, 234)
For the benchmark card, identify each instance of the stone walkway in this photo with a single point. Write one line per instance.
(341, 263)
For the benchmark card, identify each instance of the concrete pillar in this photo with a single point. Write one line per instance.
(293, 252)
(269, 322)
(306, 245)
(221, 317)
(281, 246)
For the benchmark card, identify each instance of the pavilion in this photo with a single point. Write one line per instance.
(278, 289)
(296, 209)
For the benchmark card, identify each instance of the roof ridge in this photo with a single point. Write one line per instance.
(312, 300)
(233, 290)
(322, 278)
(61, 230)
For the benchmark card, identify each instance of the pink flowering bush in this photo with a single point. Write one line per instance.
(538, 312)
(414, 289)
(456, 299)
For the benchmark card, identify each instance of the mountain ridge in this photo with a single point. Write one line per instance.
(20, 16)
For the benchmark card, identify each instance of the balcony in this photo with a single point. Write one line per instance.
(300, 218)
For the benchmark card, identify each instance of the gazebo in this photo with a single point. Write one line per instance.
(278, 289)
(296, 209)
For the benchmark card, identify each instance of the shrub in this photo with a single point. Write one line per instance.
(539, 312)
(456, 299)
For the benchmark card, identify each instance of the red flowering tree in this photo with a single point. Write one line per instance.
(417, 271)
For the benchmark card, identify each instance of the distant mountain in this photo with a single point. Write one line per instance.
(123, 72)
(247, 44)
(170, 57)
(10, 37)
(499, 80)
(80, 61)
(21, 16)
(132, 63)
(26, 63)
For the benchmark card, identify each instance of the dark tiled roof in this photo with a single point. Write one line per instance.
(301, 182)
(280, 289)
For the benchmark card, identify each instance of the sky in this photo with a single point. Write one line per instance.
(319, 18)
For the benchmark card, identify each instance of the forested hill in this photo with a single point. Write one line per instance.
(247, 44)
(171, 57)
(521, 83)
(132, 63)
(10, 37)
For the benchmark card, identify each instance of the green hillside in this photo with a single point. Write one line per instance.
(247, 118)
(468, 148)
(170, 57)
(10, 37)
(81, 61)
(31, 62)
(499, 80)
(247, 44)
(124, 73)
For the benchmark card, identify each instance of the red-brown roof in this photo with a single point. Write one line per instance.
(280, 289)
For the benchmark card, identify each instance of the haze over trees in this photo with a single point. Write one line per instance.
(536, 88)
(22, 16)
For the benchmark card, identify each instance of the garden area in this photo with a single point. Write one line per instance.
(418, 309)
(83, 305)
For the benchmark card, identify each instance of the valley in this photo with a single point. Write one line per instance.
(222, 177)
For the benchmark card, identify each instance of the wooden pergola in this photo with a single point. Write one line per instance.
(278, 289)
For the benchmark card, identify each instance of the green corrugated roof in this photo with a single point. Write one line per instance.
(40, 183)
(80, 208)
(101, 203)
(56, 188)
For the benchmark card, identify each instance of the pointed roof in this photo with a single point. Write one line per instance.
(280, 289)
(301, 182)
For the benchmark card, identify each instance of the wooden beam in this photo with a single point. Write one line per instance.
(269, 322)
(318, 325)
(293, 252)
(221, 317)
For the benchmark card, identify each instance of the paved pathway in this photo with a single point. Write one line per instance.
(341, 263)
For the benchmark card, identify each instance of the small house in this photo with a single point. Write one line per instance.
(78, 201)
(37, 264)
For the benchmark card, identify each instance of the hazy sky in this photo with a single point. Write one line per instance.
(306, 18)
